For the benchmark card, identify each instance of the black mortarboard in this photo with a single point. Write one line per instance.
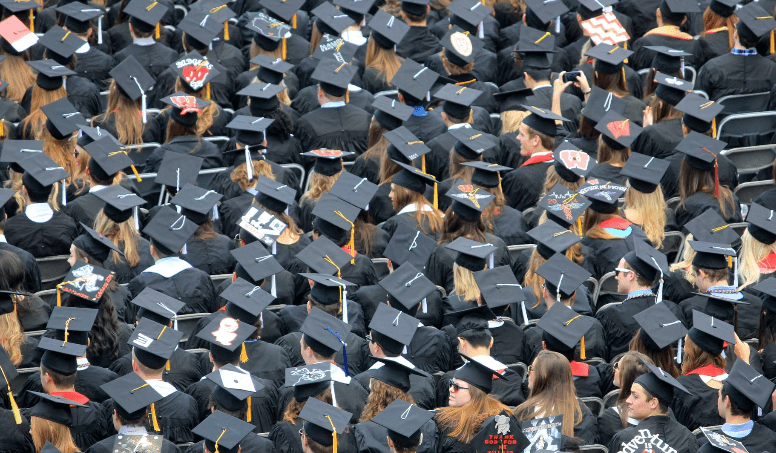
(60, 44)
(72, 326)
(659, 327)
(154, 343)
(546, 11)
(719, 442)
(711, 227)
(617, 131)
(552, 238)
(330, 19)
(471, 143)
(320, 255)
(754, 22)
(331, 213)
(414, 79)
(263, 93)
(600, 102)
(392, 329)
(603, 197)
(63, 118)
(562, 276)
(41, 172)
(458, 100)
(762, 225)
(698, 112)
(701, 150)
(659, 384)
(412, 178)
(563, 205)
(396, 371)
(5, 195)
(327, 290)
(468, 201)
(271, 70)
(15, 151)
(471, 254)
(677, 10)
(722, 305)
(408, 245)
(86, 281)
(145, 14)
(50, 73)
(749, 384)
(501, 433)
(513, 99)
(709, 255)
(460, 47)
(14, 6)
(107, 158)
(60, 356)
(53, 408)
(387, 30)
(332, 47)
(357, 9)
(608, 58)
(478, 374)
(391, 113)
(666, 59)
(333, 76)
(406, 287)
(415, 7)
(499, 287)
(328, 162)
(133, 80)
(256, 261)
(468, 14)
(92, 134)
(671, 89)
(79, 16)
(170, 230)
(95, 244)
(472, 319)
(542, 120)
(709, 333)
(245, 301)
(563, 328)
(644, 172)
(324, 333)
(223, 433)
(534, 47)
(403, 422)
(233, 386)
(724, 8)
(250, 133)
(308, 380)
(588, 9)
(157, 306)
(202, 26)
(356, 191)
(274, 195)
(196, 203)
(486, 174)
(647, 261)
(571, 163)
(323, 421)
(131, 395)
(185, 108)
(404, 145)
(119, 202)
(284, 9)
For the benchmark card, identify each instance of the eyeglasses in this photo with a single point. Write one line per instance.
(301, 433)
(616, 366)
(369, 339)
(456, 387)
(617, 270)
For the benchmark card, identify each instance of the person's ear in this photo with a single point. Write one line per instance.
(309, 306)
(544, 345)
(234, 276)
(491, 343)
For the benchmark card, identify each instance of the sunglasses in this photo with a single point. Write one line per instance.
(457, 387)
(369, 339)
(617, 270)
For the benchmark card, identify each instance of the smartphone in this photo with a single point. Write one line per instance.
(570, 76)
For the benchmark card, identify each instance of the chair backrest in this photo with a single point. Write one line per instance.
(607, 286)
(690, 74)
(219, 140)
(528, 211)
(187, 322)
(747, 129)
(220, 278)
(596, 405)
(519, 368)
(381, 267)
(749, 191)
(672, 244)
(53, 270)
(673, 203)
(516, 250)
(751, 159)
(298, 170)
(742, 103)
(701, 93)
(592, 286)
(610, 399)
(139, 153)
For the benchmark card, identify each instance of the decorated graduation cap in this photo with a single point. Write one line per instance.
(62, 118)
(325, 334)
(478, 374)
(223, 433)
(309, 380)
(471, 254)
(396, 371)
(16, 36)
(271, 70)
(145, 15)
(154, 343)
(603, 197)
(659, 384)
(335, 218)
(54, 408)
(234, 388)
(407, 288)
(644, 172)
(392, 329)
(157, 307)
(169, 230)
(404, 422)
(701, 152)
(391, 113)
(562, 276)
(120, 203)
(564, 329)
(458, 100)
(617, 131)
(95, 244)
(245, 301)
(648, 262)
(609, 58)
(274, 195)
(718, 441)
(762, 224)
(323, 256)
(460, 46)
(699, 113)
(470, 143)
(486, 174)
(408, 245)
(133, 81)
(564, 206)
(499, 287)
(747, 387)
(131, 395)
(226, 336)
(571, 163)
(599, 103)
(328, 162)
(264, 99)
(552, 238)
(255, 261)
(51, 74)
(387, 30)
(185, 108)
(468, 201)
(10, 373)
(414, 80)
(711, 227)
(85, 281)
(501, 433)
(268, 32)
(61, 44)
(356, 191)
(324, 422)
(668, 60)
(107, 159)
(659, 327)
(72, 327)
(754, 22)
(671, 89)
(332, 47)
(334, 77)
(542, 120)
(196, 203)
(330, 20)
(709, 333)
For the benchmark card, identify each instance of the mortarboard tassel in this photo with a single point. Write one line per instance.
(293, 22)
(716, 179)
(99, 30)
(14, 305)
(226, 30)
(679, 352)
(352, 243)
(714, 128)
(2, 129)
(423, 163)
(248, 413)
(32, 21)
(625, 46)
(157, 31)
(223, 431)
(582, 341)
(243, 354)
(623, 74)
(248, 163)
(207, 87)
(137, 175)
(772, 44)
(64, 193)
(167, 366)
(283, 50)
(156, 422)
(344, 348)
(333, 435)
(137, 226)
(16, 414)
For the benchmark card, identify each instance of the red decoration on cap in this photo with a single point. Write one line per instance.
(574, 159)
(619, 128)
(186, 104)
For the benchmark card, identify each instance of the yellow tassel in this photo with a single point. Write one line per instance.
(32, 22)
(226, 31)
(137, 175)
(713, 128)
(436, 197)
(579, 225)
(730, 261)
(223, 431)
(582, 348)
(352, 244)
(2, 129)
(498, 173)
(59, 297)
(153, 417)
(283, 50)
(248, 415)
(625, 46)
(158, 31)
(423, 163)
(333, 435)
(623, 75)
(167, 366)
(14, 305)
(293, 22)
(243, 355)
(208, 91)
(772, 44)
(347, 97)
(16, 414)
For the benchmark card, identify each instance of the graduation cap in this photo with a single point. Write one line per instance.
(53, 408)
(333, 76)
(387, 30)
(185, 108)
(256, 261)
(701, 153)
(86, 281)
(323, 256)
(562, 276)
(471, 254)
(468, 14)
(458, 100)
(542, 120)
(396, 371)
(413, 179)
(546, 11)
(245, 301)
(407, 287)
(709, 333)
(571, 163)
(107, 158)
(169, 230)
(659, 327)
(14, 6)
(133, 81)
(717, 440)
(404, 422)
(460, 46)
(223, 433)
(468, 201)
(61, 43)
(325, 334)
(283, 9)
(472, 319)
(478, 374)
(274, 195)
(90, 134)
(50, 74)
(659, 384)
(226, 336)
(268, 31)
(486, 174)
(14, 151)
(754, 22)
(677, 9)
(95, 244)
(157, 306)
(131, 395)
(196, 203)
(603, 197)
(334, 217)
(513, 99)
(391, 113)
(72, 329)
(356, 191)
(415, 7)
(356, 9)
(332, 47)
(9, 374)
(724, 8)
(405, 146)
(711, 227)
(762, 225)
(145, 15)
(710, 255)
(328, 162)
(564, 329)
(328, 290)
(501, 433)
(271, 70)
(699, 113)
(250, 134)
(8, 301)
(323, 422)
(392, 329)
(748, 385)
(5, 195)
(644, 172)
(499, 287)
(63, 118)
(600, 102)
(552, 238)
(668, 60)
(41, 173)
(534, 47)
(617, 131)
(589, 9)
(671, 89)
(648, 262)
(470, 143)
(17, 37)
(264, 95)
(768, 288)
(119, 202)
(414, 79)
(563, 205)
(722, 305)
(330, 20)
(408, 245)
(154, 343)
(609, 58)
(202, 26)
(308, 380)
(233, 387)
(78, 16)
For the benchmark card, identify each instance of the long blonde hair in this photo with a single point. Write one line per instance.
(43, 430)
(36, 120)
(464, 421)
(511, 120)
(123, 235)
(12, 336)
(647, 210)
(319, 184)
(129, 122)
(19, 75)
(465, 285)
(385, 61)
(751, 253)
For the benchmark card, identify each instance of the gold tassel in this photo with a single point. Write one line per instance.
(730, 261)
(14, 305)
(772, 44)
(714, 128)
(59, 297)
(167, 366)
(347, 97)
(293, 22)
(248, 414)
(226, 31)
(579, 225)
(283, 49)
(223, 431)
(498, 173)
(436, 197)
(16, 414)
(625, 46)
(582, 348)
(153, 417)
(333, 435)
(158, 31)
(137, 175)
(623, 75)
(352, 243)
(423, 163)
(32, 22)
(2, 129)
(243, 355)
(208, 91)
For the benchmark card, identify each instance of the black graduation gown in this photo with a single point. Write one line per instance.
(191, 286)
(373, 438)
(186, 145)
(176, 414)
(367, 167)
(606, 172)
(84, 209)
(125, 273)
(36, 316)
(84, 95)
(430, 349)
(151, 131)
(381, 206)
(264, 403)
(748, 314)
(344, 127)
(370, 296)
(361, 273)
(642, 57)
(421, 388)
(699, 203)
(273, 329)
(523, 186)
(249, 444)
(716, 43)
(418, 44)
(484, 59)
(508, 341)
(357, 350)
(660, 139)
(769, 360)
(184, 369)
(31, 269)
(266, 361)
(155, 58)
(106, 446)
(212, 255)
(511, 226)
(87, 426)
(374, 82)
(87, 382)
(426, 127)
(14, 438)
(49, 238)
(95, 65)
(609, 424)
(699, 408)
(570, 105)
(285, 436)
(440, 264)
(619, 326)
(607, 252)
(736, 74)
(671, 436)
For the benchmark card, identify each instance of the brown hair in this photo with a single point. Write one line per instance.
(614, 83)
(455, 227)
(385, 61)
(662, 111)
(240, 173)
(463, 422)
(176, 129)
(554, 178)
(380, 396)
(494, 208)
(547, 142)
(692, 181)
(587, 129)
(631, 366)
(458, 171)
(43, 430)
(61, 152)
(123, 235)
(205, 119)
(611, 156)
(664, 358)
(591, 222)
(695, 357)
(713, 21)
(128, 116)
(206, 231)
(454, 69)
(378, 144)
(535, 281)
(36, 120)
(404, 197)
(19, 75)
(295, 407)
(511, 120)
(315, 37)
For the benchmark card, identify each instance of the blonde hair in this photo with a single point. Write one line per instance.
(59, 435)
(123, 235)
(129, 122)
(465, 285)
(687, 256)
(749, 257)
(240, 174)
(12, 336)
(554, 178)
(62, 152)
(319, 184)
(36, 120)
(454, 69)
(647, 210)
(19, 75)
(511, 120)
(385, 61)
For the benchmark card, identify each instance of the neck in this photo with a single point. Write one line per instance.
(150, 376)
(736, 419)
(713, 284)
(63, 389)
(482, 350)
(640, 288)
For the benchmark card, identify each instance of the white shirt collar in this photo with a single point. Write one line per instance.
(83, 49)
(413, 207)
(546, 85)
(39, 212)
(333, 105)
(456, 126)
(2, 238)
(143, 42)
(96, 188)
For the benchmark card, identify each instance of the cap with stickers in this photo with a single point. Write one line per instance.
(154, 343)
(671, 89)
(185, 108)
(328, 162)
(460, 46)
(604, 198)
(194, 70)
(226, 336)
(468, 201)
(617, 131)
(563, 205)
(85, 281)
(571, 163)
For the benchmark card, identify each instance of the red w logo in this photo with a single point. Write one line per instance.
(574, 159)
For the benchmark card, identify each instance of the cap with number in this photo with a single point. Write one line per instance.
(119, 202)
(404, 145)
(406, 287)
(60, 44)
(412, 178)
(54, 408)
(460, 46)
(470, 143)
(387, 30)
(659, 327)
(754, 22)
(562, 276)
(644, 172)
(392, 329)
(667, 60)
(479, 372)
(408, 245)
(223, 433)
(710, 255)
(699, 113)
(195, 70)
(709, 333)
(617, 131)
(647, 261)
(245, 301)
(107, 158)
(659, 384)
(563, 205)
(178, 169)
(603, 197)
(542, 120)
(356, 191)
(62, 118)
(156, 306)
(154, 343)
(471, 254)
(145, 14)
(95, 244)
(486, 174)
(458, 100)
(711, 227)
(196, 203)
(169, 230)
(131, 395)
(571, 163)
(86, 281)
(499, 287)
(328, 162)
(330, 20)
(671, 89)
(552, 238)
(324, 333)
(323, 421)
(233, 387)
(396, 371)
(323, 256)
(404, 422)
(564, 329)
(599, 103)
(185, 108)
(700, 150)
(546, 11)
(326, 289)
(414, 79)
(762, 224)
(608, 58)
(256, 261)
(468, 201)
